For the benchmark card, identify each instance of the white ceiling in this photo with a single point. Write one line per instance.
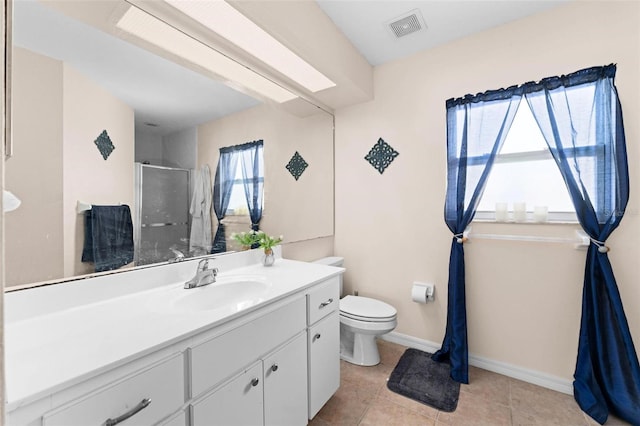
(364, 22)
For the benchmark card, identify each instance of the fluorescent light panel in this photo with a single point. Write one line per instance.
(159, 33)
(222, 18)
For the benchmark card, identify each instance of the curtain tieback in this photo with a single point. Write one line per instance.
(602, 248)
(460, 238)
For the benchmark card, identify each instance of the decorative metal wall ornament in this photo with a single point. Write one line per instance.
(381, 155)
(296, 165)
(103, 142)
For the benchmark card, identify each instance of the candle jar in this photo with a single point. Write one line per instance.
(540, 214)
(520, 212)
(502, 212)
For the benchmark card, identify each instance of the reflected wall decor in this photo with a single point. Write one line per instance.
(104, 144)
(296, 165)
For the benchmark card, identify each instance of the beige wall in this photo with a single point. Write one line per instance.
(34, 173)
(308, 250)
(523, 299)
(88, 110)
(58, 113)
(300, 210)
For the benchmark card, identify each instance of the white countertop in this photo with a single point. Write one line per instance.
(50, 352)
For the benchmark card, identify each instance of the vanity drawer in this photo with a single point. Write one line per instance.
(162, 384)
(217, 359)
(323, 300)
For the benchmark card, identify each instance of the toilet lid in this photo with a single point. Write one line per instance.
(358, 306)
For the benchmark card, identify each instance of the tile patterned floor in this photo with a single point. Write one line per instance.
(489, 400)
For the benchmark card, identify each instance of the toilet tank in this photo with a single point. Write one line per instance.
(332, 261)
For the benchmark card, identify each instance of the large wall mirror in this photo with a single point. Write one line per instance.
(79, 79)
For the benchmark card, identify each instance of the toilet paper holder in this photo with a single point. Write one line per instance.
(422, 292)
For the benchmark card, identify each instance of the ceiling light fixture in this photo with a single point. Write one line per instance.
(223, 19)
(159, 33)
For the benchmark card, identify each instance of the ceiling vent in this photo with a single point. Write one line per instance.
(409, 23)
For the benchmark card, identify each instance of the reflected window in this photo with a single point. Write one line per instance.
(238, 200)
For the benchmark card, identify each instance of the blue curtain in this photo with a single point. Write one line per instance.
(581, 119)
(252, 161)
(476, 129)
(222, 186)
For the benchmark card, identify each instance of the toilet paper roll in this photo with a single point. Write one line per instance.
(419, 293)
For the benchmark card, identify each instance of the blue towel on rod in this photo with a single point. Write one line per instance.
(108, 237)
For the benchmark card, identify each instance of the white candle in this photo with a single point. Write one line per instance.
(502, 213)
(540, 213)
(520, 212)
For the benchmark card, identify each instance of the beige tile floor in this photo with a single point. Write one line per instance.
(490, 399)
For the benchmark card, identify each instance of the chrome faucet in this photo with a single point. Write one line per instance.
(179, 256)
(204, 275)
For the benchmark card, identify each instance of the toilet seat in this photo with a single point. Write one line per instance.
(366, 319)
(366, 309)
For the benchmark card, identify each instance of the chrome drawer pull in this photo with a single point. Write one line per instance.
(316, 337)
(325, 304)
(135, 410)
(274, 367)
(255, 382)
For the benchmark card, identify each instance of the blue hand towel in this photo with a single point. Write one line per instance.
(108, 237)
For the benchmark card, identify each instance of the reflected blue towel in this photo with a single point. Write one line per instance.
(108, 237)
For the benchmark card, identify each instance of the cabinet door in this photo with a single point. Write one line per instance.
(238, 402)
(285, 384)
(323, 340)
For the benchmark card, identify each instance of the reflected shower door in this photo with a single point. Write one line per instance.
(162, 195)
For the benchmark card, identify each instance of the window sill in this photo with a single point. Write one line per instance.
(528, 222)
(560, 232)
(553, 217)
(237, 219)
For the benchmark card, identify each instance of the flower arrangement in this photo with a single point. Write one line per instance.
(246, 239)
(267, 242)
(264, 241)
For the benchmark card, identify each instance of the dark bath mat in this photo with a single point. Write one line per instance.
(420, 378)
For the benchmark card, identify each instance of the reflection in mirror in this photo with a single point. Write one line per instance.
(166, 119)
(163, 196)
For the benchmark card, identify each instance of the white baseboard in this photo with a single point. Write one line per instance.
(526, 375)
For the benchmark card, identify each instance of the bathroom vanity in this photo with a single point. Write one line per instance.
(259, 346)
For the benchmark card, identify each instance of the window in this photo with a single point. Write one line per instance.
(525, 171)
(238, 200)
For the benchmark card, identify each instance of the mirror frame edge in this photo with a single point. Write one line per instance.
(7, 7)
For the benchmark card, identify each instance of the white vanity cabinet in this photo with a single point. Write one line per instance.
(275, 364)
(297, 378)
(323, 343)
(273, 370)
(271, 391)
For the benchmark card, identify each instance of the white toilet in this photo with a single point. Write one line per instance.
(362, 319)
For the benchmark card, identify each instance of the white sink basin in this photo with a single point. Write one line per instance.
(229, 293)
